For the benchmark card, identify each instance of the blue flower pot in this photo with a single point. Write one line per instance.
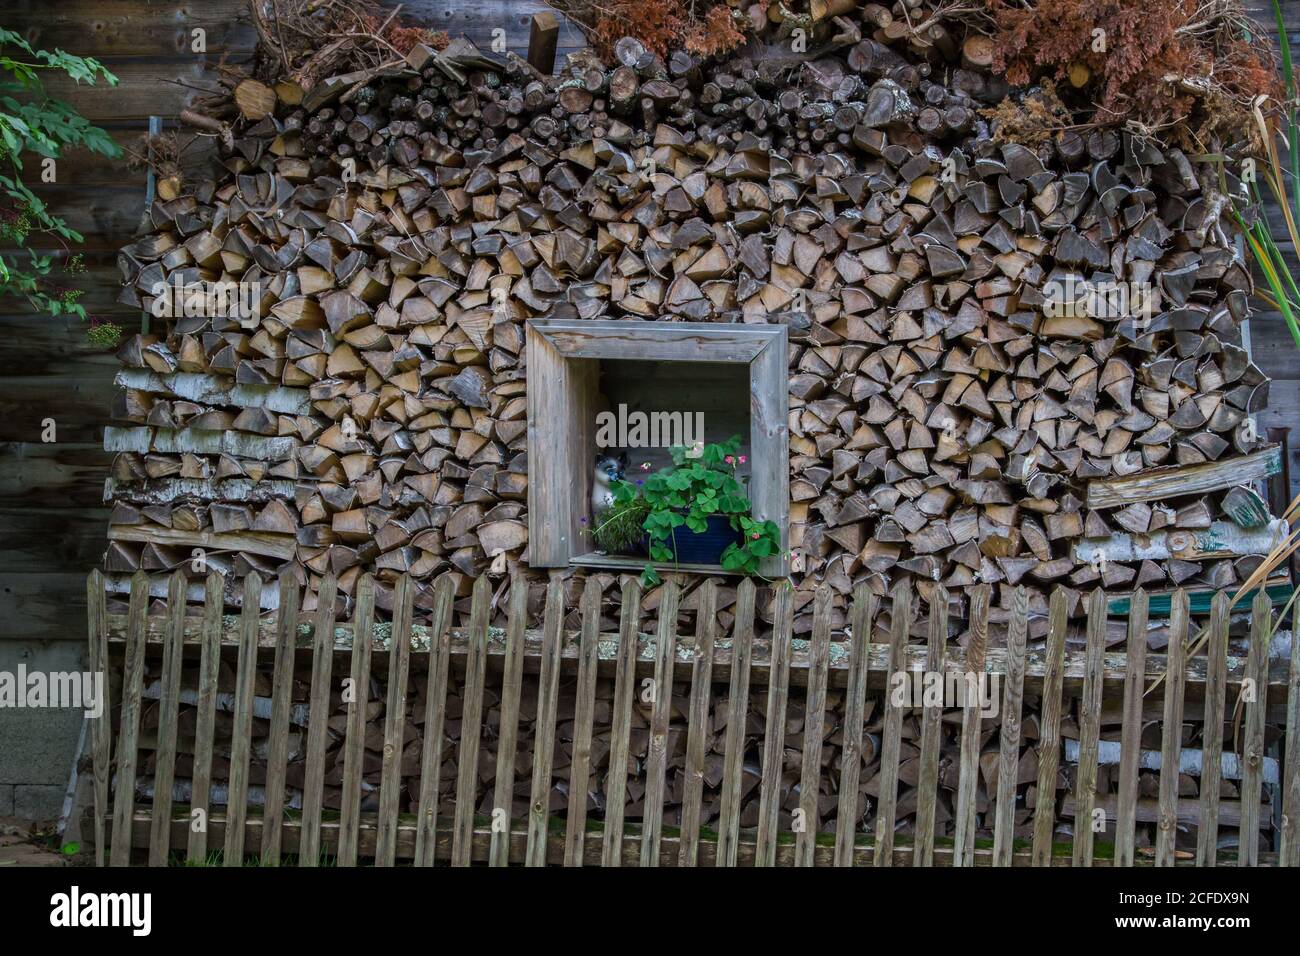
(704, 547)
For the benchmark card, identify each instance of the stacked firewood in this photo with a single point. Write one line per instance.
(960, 369)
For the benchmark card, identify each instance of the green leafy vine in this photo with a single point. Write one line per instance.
(33, 122)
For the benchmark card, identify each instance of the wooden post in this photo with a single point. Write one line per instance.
(778, 696)
(1289, 851)
(548, 682)
(322, 664)
(168, 705)
(1252, 759)
(1171, 742)
(128, 737)
(241, 743)
(1009, 750)
(435, 712)
(1085, 790)
(512, 679)
(542, 37)
(738, 707)
(863, 615)
(1131, 732)
(204, 726)
(886, 810)
(1049, 744)
(575, 837)
(963, 848)
(814, 730)
(1216, 685)
(701, 692)
(624, 692)
(354, 742)
(390, 779)
(103, 727)
(471, 727)
(656, 770)
(286, 636)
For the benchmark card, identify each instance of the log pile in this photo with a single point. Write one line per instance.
(960, 372)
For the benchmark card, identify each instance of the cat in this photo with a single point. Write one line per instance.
(609, 468)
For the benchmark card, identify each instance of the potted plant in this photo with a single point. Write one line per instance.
(695, 511)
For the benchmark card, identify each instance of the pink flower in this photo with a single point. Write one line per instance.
(729, 460)
(755, 536)
(743, 459)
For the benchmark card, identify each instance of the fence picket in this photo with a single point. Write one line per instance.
(322, 664)
(887, 801)
(102, 728)
(168, 713)
(426, 824)
(927, 784)
(624, 694)
(963, 849)
(1085, 789)
(241, 735)
(1289, 851)
(354, 741)
(128, 737)
(778, 696)
(1171, 742)
(1216, 687)
(584, 715)
(810, 772)
(390, 771)
(539, 805)
(286, 638)
(205, 719)
(698, 722)
(1013, 700)
(471, 727)
(742, 639)
(1261, 621)
(512, 677)
(862, 617)
(652, 819)
(1049, 740)
(1131, 731)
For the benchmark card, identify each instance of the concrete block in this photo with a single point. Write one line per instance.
(37, 746)
(38, 802)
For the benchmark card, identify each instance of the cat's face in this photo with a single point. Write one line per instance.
(611, 466)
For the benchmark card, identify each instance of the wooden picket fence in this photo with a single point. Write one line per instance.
(734, 661)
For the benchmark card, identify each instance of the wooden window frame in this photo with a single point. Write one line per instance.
(563, 364)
